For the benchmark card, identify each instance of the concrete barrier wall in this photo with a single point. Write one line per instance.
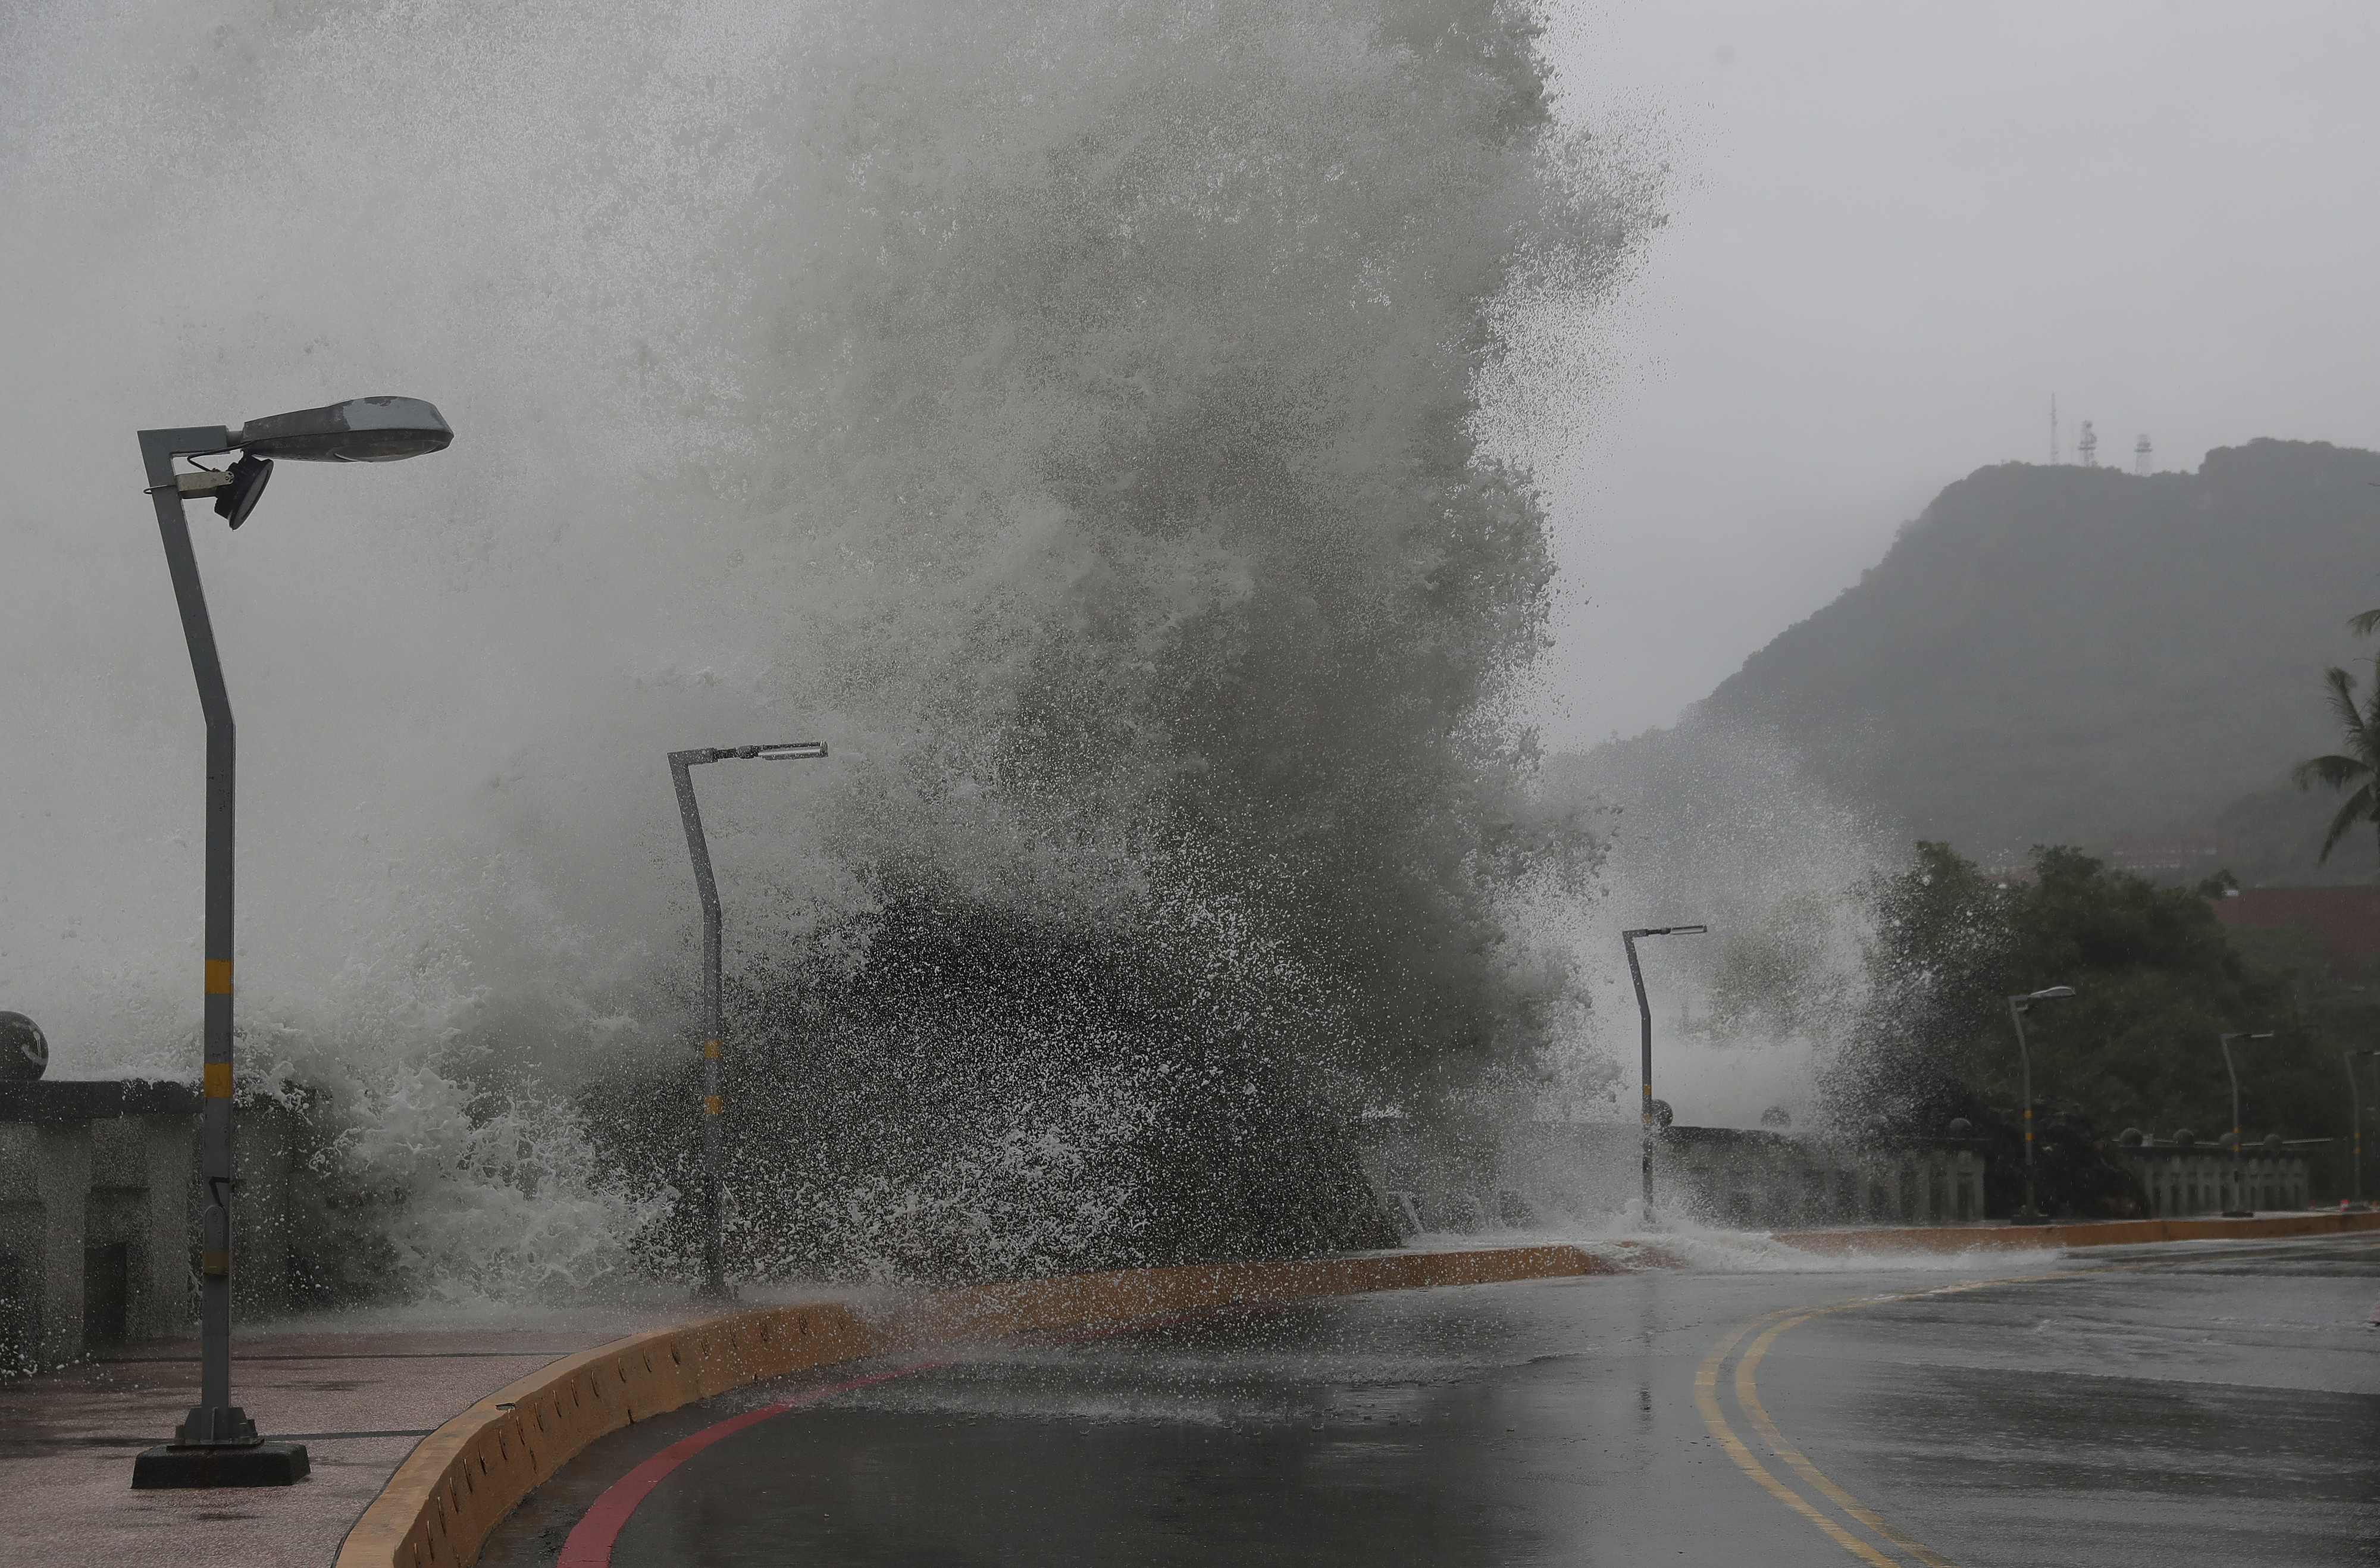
(463, 1479)
(96, 1184)
(98, 1210)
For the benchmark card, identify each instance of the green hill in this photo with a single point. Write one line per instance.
(2064, 655)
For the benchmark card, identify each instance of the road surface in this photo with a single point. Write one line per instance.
(2142, 1405)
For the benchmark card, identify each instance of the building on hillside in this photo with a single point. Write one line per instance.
(2197, 853)
(2345, 920)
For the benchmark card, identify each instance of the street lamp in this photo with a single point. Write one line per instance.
(217, 1445)
(1644, 1012)
(2017, 1007)
(2355, 1104)
(715, 1279)
(2238, 1154)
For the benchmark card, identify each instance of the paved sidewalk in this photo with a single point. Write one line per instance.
(359, 1401)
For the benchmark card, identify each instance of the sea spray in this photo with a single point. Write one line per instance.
(477, 1195)
(1066, 411)
(1718, 821)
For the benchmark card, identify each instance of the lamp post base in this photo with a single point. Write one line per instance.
(2028, 1217)
(217, 1445)
(220, 1464)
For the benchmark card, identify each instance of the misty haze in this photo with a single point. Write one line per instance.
(1342, 781)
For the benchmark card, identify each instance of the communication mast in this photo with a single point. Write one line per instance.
(2088, 447)
(2141, 455)
(2053, 429)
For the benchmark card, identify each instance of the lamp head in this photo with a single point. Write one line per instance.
(783, 751)
(363, 429)
(235, 500)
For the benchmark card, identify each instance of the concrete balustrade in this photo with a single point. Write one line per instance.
(1466, 1179)
(2199, 1178)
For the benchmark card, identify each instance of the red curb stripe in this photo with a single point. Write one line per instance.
(592, 1538)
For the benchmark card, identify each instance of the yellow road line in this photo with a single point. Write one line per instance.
(1747, 1394)
(1707, 1400)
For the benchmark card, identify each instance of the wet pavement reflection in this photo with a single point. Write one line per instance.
(2219, 1401)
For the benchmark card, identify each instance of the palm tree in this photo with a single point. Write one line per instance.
(2359, 766)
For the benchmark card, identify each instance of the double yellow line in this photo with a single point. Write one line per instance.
(1746, 1388)
(1748, 1395)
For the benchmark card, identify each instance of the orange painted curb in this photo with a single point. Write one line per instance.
(461, 1482)
(2096, 1233)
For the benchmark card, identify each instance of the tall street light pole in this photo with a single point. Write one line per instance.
(2355, 1110)
(1644, 1013)
(217, 1445)
(2238, 1154)
(2019, 1006)
(714, 1263)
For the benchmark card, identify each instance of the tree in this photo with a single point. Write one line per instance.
(1935, 977)
(2156, 979)
(2359, 766)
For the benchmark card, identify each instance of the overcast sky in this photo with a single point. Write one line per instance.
(1898, 230)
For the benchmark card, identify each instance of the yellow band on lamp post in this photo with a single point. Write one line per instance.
(218, 1081)
(218, 976)
(711, 1104)
(710, 1049)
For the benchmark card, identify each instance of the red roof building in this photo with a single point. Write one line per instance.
(2345, 919)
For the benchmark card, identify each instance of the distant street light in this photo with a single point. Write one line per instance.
(2355, 1110)
(2030, 1213)
(714, 1269)
(216, 1445)
(2238, 1154)
(1644, 1010)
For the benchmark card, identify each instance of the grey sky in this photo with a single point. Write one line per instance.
(1898, 230)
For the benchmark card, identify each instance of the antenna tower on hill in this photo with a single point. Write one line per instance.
(2053, 429)
(2088, 447)
(2140, 454)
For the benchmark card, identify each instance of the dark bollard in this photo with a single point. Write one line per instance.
(24, 1053)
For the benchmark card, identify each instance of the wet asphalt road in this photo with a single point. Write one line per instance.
(2220, 1404)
